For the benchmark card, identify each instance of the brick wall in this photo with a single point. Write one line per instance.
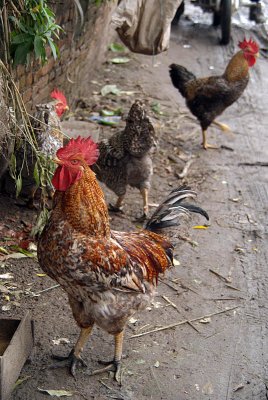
(82, 49)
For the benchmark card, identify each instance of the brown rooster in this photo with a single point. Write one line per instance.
(125, 157)
(107, 275)
(209, 97)
(49, 138)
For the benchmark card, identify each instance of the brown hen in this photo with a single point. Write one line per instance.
(108, 275)
(209, 97)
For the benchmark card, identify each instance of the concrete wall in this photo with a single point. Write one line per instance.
(82, 50)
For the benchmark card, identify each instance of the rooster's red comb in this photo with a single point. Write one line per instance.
(250, 45)
(58, 95)
(80, 147)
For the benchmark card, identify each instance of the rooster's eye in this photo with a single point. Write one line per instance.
(74, 162)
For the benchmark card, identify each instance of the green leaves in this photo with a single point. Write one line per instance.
(34, 30)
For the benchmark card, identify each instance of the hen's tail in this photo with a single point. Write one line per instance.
(169, 212)
(180, 76)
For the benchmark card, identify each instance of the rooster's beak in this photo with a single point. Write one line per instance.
(56, 160)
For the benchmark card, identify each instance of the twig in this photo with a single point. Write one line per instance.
(44, 290)
(119, 397)
(182, 322)
(227, 280)
(255, 164)
(156, 381)
(184, 172)
(174, 306)
(233, 287)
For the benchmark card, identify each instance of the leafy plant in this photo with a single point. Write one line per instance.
(34, 29)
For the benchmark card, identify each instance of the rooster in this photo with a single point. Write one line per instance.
(108, 275)
(49, 138)
(209, 97)
(125, 158)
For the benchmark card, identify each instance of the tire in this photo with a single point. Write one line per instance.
(216, 18)
(225, 18)
(178, 14)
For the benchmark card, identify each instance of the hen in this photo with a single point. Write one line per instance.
(125, 157)
(108, 275)
(49, 138)
(209, 97)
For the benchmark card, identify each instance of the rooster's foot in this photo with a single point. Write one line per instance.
(113, 366)
(209, 146)
(116, 209)
(71, 361)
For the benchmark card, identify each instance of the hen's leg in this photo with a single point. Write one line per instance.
(144, 193)
(223, 127)
(205, 144)
(114, 365)
(118, 205)
(74, 358)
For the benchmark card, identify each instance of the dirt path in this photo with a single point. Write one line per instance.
(221, 357)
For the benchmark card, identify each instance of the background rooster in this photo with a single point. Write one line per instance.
(49, 138)
(107, 275)
(125, 157)
(209, 97)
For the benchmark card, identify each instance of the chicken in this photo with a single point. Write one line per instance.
(49, 138)
(209, 97)
(108, 275)
(125, 157)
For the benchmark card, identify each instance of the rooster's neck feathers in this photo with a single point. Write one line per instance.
(83, 205)
(237, 68)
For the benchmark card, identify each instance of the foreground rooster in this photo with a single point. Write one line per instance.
(209, 97)
(125, 157)
(108, 275)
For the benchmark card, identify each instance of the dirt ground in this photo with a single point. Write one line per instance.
(221, 283)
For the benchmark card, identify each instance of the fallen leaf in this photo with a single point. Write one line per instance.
(207, 388)
(8, 275)
(107, 89)
(21, 380)
(15, 255)
(132, 320)
(60, 341)
(238, 387)
(140, 361)
(117, 48)
(6, 308)
(120, 60)
(3, 250)
(200, 227)
(205, 320)
(56, 393)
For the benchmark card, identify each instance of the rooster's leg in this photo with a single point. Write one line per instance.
(114, 365)
(118, 205)
(74, 358)
(223, 127)
(205, 144)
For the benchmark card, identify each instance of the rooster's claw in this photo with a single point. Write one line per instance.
(71, 361)
(113, 366)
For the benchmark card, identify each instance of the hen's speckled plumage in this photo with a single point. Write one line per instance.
(125, 158)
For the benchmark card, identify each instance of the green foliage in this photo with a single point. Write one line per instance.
(34, 29)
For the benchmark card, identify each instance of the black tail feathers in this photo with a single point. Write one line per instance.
(170, 210)
(180, 76)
